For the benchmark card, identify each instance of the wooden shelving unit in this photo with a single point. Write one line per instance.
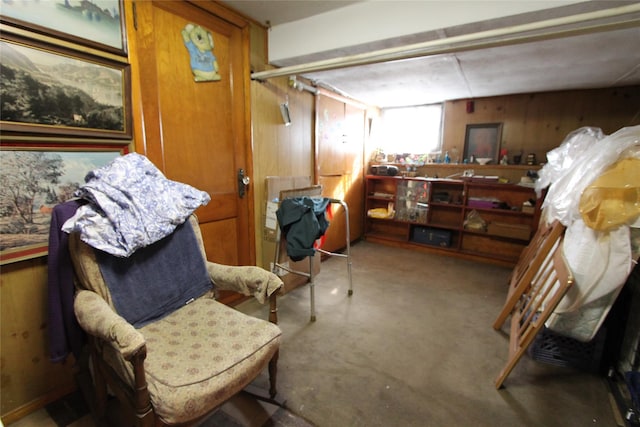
(430, 215)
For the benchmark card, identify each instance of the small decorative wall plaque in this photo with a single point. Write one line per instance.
(199, 43)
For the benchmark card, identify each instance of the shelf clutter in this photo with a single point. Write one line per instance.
(484, 220)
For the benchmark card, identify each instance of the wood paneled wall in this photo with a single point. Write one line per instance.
(29, 380)
(538, 122)
(278, 150)
(535, 123)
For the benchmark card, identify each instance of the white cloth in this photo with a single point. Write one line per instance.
(132, 205)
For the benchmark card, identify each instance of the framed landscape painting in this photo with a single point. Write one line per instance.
(54, 91)
(27, 199)
(96, 23)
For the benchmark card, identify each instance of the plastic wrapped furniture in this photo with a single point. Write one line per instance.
(180, 367)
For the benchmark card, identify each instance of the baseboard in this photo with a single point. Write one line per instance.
(36, 404)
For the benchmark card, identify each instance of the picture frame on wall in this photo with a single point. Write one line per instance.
(27, 200)
(482, 141)
(98, 24)
(47, 89)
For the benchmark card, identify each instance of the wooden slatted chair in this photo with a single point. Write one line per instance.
(530, 259)
(550, 282)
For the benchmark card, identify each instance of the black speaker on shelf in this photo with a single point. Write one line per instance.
(385, 170)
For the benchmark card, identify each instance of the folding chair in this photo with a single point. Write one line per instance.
(531, 257)
(313, 191)
(550, 283)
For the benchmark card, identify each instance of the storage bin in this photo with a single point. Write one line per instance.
(555, 349)
(431, 236)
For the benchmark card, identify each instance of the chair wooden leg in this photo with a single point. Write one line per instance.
(273, 373)
(273, 363)
(273, 309)
(100, 386)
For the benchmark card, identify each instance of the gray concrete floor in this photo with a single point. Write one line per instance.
(414, 346)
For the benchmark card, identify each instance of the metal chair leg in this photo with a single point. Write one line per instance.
(312, 290)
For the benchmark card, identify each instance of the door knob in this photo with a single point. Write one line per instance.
(243, 183)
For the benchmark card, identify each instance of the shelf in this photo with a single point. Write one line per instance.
(478, 254)
(446, 205)
(500, 211)
(444, 226)
(441, 207)
(495, 236)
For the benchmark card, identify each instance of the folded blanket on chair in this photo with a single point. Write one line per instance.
(158, 279)
(132, 205)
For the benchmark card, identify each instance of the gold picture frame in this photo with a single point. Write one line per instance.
(27, 200)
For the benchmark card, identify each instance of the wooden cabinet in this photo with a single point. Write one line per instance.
(476, 220)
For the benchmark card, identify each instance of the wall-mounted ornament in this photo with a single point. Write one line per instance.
(199, 43)
(284, 111)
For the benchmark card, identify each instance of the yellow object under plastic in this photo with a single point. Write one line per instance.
(613, 199)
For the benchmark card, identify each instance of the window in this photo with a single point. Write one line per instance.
(414, 130)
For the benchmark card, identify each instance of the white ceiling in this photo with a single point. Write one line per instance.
(598, 59)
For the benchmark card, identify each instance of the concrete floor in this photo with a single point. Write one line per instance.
(414, 346)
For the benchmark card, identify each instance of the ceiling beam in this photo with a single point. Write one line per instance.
(583, 23)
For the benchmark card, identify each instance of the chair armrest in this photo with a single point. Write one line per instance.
(247, 280)
(97, 318)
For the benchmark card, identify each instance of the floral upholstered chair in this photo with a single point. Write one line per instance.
(172, 365)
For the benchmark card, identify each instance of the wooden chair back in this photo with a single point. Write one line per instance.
(550, 282)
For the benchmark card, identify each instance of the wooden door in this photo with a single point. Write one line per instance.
(197, 132)
(331, 136)
(339, 165)
(354, 159)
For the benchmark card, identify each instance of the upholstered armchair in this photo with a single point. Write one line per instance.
(179, 366)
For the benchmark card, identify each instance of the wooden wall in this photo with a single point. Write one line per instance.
(535, 122)
(29, 380)
(278, 150)
(539, 122)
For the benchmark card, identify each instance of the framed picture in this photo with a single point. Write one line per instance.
(483, 141)
(98, 24)
(56, 91)
(27, 199)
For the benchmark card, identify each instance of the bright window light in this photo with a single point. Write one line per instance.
(414, 130)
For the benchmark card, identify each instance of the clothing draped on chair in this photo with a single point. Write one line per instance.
(132, 205)
(144, 295)
(302, 221)
(65, 335)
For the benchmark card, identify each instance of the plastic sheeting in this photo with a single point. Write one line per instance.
(600, 258)
(613, 199)
(581, 158)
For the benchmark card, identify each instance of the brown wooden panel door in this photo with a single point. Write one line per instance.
(331, 134)
(354, 158)
(335, 237)
(197, 132)
(339, 165)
